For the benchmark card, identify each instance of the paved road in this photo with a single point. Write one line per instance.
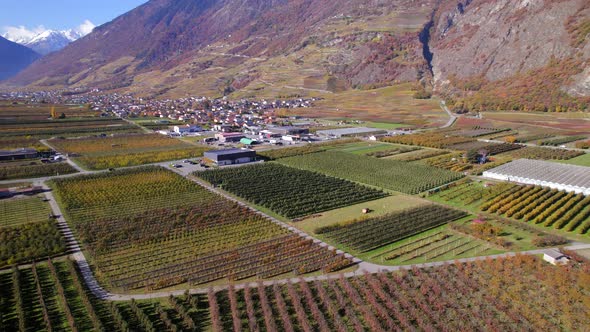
(452, 117)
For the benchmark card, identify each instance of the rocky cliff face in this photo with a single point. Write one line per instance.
(505, 40)
(266, 46)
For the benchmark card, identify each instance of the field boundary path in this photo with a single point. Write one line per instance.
(68, 160)
(77, 254)
(453, 118)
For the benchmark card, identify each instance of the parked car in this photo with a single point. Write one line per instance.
(177, 166)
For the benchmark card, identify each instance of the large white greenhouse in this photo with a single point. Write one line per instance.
(569, 178)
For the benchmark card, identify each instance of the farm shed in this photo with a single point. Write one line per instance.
(231, 156)
(569, 178)
(351, 132)
(555, 257)
(25, 153)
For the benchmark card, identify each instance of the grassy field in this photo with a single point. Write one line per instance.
(583, 160)
(377, 207)
(14, 212)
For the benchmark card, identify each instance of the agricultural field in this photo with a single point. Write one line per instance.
(27, 231)
(370, 233)
(18, 211)
(51, 296)
(150, 229)
(378, 207)
(491, 148)
(352, 104)
(452, 162)
(393, 151)
(437, 244)
(540, 205)
(478, 131)
(511, 294)
(365, 148)
(558, 141)
(126, 150)
(35, 121)
(279, 153)
(33, 169)
(431, 140)
(388, 174)
(418, 155)
(531, 152)
(289, 191)
(30, 241)
(535, 205)
(532, 138)
(24, 111)
(66, 127)
(13, 143)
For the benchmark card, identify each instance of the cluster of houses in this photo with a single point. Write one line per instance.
(197, 110)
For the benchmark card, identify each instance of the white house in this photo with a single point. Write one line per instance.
(187, 129)
(555, 257)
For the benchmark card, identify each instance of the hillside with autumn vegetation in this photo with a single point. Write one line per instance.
(478, 54)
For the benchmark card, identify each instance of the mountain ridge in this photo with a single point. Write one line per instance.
(248, 47)
(14, 58)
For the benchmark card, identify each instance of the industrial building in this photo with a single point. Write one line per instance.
(352, 132)
(229, 137)
(569, 178)
(231, 156)
(18, 154)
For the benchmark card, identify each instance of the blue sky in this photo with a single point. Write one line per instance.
(61, 14)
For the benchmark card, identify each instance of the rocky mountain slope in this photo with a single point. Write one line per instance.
(467, 50)
(14, 58)
(520, 54)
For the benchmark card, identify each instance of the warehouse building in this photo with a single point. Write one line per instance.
(569, 178)
(231, 156)
(352, 132)
(18, 154)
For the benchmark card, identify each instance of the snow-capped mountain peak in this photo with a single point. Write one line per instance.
(44, 41)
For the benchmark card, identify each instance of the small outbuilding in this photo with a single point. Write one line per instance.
(231, 156)
(555, 257)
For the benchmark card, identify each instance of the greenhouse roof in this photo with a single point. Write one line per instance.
(545, 171)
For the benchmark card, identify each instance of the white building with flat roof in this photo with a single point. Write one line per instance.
(569, 178)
